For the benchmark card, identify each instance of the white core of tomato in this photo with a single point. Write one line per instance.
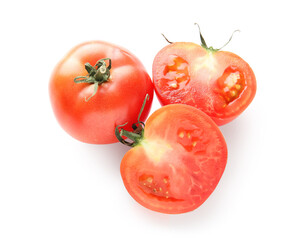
(208, 61)
(155, 150)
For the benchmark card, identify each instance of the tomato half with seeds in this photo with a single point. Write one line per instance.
(219, 83)
(177, 162)
(97, 86)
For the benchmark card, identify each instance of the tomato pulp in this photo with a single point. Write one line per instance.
(92, 117)
(179, 161)
(219, 83)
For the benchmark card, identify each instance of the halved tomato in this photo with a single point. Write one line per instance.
(178, 161)
(219, 83)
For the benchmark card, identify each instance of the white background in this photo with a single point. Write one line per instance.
(54, 187)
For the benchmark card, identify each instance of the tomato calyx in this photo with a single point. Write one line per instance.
(136, 136)
(166, 39)
(211, 49)
(203, 43)
(97, 74)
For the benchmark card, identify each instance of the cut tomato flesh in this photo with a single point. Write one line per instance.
(179, 163)
(221, 84)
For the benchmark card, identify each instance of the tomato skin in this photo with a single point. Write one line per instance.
(187, 73)
(179, 162)
(116, 102)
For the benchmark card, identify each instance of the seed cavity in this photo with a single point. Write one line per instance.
(181, 134)
(174, 85)
(232, 79)
(230, 85)
(190, 138)
(233, 93)
(175, 73)
(155, 186)
(189, 135)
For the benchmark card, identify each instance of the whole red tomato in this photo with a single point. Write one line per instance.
(96, 87)
(176, 161)
(219, 83)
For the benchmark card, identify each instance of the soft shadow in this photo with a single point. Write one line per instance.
(233, 132)
(108, 156)
(202, 217)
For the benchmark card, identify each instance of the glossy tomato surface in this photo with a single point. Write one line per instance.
(219, 83)
(178, 163)
(116, 101)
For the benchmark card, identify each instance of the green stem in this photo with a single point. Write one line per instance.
(228, 40)
(135, 137)
(204, 45)
(166, 39)
(138, 130)
(97, 74)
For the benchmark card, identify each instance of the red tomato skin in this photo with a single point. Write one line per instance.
(116, 102)
(199, 90)
(184, 177)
